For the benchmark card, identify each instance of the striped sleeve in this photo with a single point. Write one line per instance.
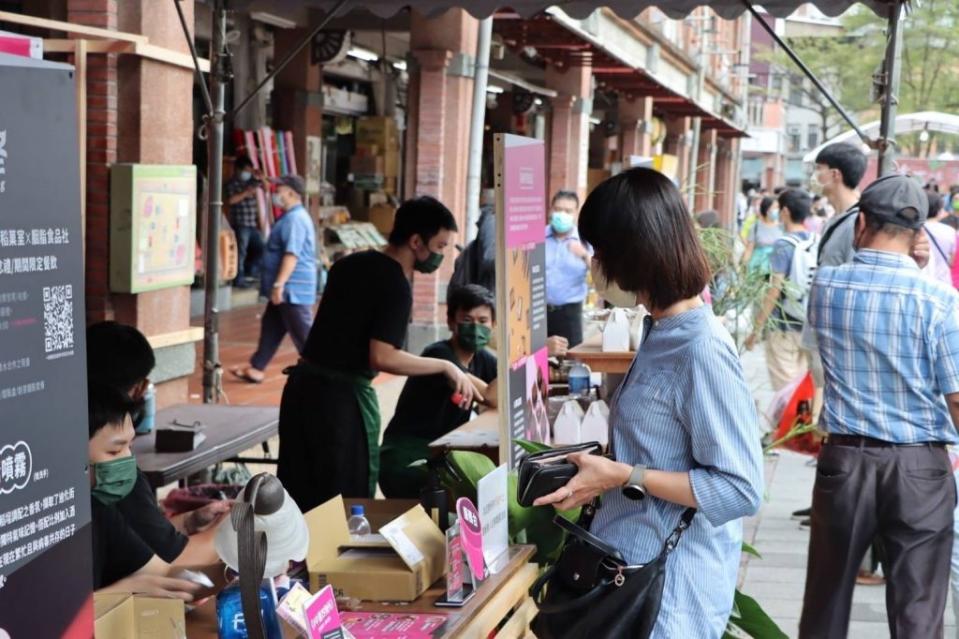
(720, 415)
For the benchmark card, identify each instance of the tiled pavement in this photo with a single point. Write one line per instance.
(776, 581)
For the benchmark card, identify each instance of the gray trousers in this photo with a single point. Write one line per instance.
(905, 496)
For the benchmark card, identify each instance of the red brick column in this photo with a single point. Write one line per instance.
(636, 121)
(101, 153)
(675, 143)
(705, 189)
(569, 141)
(725, 201)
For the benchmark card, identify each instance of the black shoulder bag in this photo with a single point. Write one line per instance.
(592, 592)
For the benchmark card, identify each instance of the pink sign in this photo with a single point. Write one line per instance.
(524, 191)
(943, 172)
(385, 625)
(322, 616)
(471, 532)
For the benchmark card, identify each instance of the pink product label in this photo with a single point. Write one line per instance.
(471, 532)
(322, 616)
(384, 625)
(524, 194)
(454, 563)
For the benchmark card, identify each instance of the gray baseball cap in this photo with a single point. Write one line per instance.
(897, 199)
(295, 182)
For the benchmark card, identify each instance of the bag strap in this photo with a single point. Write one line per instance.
(936, 244)
(684, 522)
(832, 229)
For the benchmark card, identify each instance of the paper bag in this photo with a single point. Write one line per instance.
(566, 428)
(595, 425)
(616, 332)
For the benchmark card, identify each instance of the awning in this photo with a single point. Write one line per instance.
(583, 8)
(906, 123)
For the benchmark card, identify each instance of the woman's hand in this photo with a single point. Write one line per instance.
(596, 475)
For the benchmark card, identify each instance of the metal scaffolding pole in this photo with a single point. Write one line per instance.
(477, 127)
(892, 68)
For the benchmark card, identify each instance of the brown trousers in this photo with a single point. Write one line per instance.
(905, 495)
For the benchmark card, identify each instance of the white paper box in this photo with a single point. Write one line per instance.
(595, 425)
(616, 332)
(566, 428)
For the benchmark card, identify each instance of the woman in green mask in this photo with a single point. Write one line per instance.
(425, 410)
(122, 561)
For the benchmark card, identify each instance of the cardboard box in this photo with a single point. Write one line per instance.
(378, 130)
(382, 216)
(368, 164)
(399, 566)
(122, 615)
(391, 164)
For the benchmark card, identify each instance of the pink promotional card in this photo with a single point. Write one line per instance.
(322, 616)
(387, 625)
(471, 532)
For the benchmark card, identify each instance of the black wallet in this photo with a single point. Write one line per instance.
(543, 472)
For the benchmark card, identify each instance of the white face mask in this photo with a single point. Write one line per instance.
(610, 291)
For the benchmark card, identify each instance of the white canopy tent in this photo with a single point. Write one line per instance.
(906, 123)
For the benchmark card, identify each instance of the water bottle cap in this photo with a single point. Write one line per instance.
(357, 510)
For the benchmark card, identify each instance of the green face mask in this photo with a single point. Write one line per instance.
(430, 264)
(472, 337)
(114, 480)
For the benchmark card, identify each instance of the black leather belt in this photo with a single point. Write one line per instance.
(558, 307)
(859, 441)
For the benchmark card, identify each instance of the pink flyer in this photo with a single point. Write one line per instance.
(524, 192)
(387, 625)
(322, 616)
(471, 532)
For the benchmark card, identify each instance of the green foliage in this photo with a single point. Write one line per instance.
(748, 619)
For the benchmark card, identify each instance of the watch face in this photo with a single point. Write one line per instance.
(634, 492)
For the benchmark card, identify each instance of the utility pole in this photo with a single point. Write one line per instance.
(892, 67)
(477, 126)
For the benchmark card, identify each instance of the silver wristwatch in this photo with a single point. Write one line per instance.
(635, 487)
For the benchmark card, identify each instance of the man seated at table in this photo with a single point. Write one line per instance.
(425, 410)
(119, 356)
(122, 560)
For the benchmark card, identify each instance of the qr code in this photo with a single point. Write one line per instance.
(58, 318)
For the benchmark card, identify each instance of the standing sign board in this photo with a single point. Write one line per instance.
(521, 291)
(45, 537)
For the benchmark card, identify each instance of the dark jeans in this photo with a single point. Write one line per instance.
(249, 252)
(323, 450)
(566, 321)
(278, 320)
(905, 496)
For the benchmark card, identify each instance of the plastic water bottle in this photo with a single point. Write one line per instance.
(147, 417)
(359, 525)
(231, 623)
(579, 380)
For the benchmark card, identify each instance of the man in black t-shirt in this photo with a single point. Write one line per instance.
(424, 411)
(329, 414)
(119, 356)
(122, 560)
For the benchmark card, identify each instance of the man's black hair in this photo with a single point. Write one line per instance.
(468, 297)
(424, 216)
(107, 406)
(847, 159)
(565, 195)
(798, 202)
(935, 204)
(118, 355)
(242, 162)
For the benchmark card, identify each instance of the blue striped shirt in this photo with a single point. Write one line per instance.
(565, 273)
(685, 407)
(889, 341)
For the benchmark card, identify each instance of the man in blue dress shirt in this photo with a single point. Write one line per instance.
(567, 263)
(889, 341)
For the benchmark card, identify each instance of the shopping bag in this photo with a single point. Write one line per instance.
(793, 405)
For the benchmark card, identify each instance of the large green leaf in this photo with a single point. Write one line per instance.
(753, 620)
(750, 550)
(531, 447)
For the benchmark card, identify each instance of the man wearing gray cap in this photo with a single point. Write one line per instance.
(889, 341)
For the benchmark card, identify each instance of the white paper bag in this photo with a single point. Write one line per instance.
(616, 332)
(566, 428)
(595, 426)
(636, 328)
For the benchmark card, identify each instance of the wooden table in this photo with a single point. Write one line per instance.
(504, 593)
(480, 435)
(590, 352)
(229, 431)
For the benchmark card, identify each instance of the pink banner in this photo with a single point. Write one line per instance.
(524, 192)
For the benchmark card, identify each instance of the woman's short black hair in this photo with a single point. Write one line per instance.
(847, 159)
(644, 238)
(107, 406)
(118, 355)
(935, 203)
(565, 195)
(468, 297)
(424, 216)
(765, 204)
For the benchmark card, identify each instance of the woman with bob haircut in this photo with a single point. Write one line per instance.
(684, 428)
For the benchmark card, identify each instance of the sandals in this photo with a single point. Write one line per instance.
(243, 375)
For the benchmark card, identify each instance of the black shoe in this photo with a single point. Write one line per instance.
(803, 513)
(805, 523)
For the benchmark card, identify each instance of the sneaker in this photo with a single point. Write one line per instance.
(803, 513)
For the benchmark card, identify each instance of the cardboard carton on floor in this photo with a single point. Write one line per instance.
(123, 615)
(398, 564)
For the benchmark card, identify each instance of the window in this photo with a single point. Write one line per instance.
(794, 139)
(796, 95)
(812, 136)
(756, 112)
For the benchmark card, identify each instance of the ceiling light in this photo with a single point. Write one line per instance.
(272, 19)
(400, 65)
(363, 54)
(924, 135)
(538, 102)
(492, 88)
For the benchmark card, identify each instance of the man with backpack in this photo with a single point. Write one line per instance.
(793, 266)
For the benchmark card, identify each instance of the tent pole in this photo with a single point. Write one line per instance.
(474, 171)
(892, 67)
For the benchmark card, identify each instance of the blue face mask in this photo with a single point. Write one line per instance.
(278, 201)
(774, 215)
(561, 222)
(246, 176)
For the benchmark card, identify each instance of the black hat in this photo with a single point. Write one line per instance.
(295, 182)
(896, 199)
